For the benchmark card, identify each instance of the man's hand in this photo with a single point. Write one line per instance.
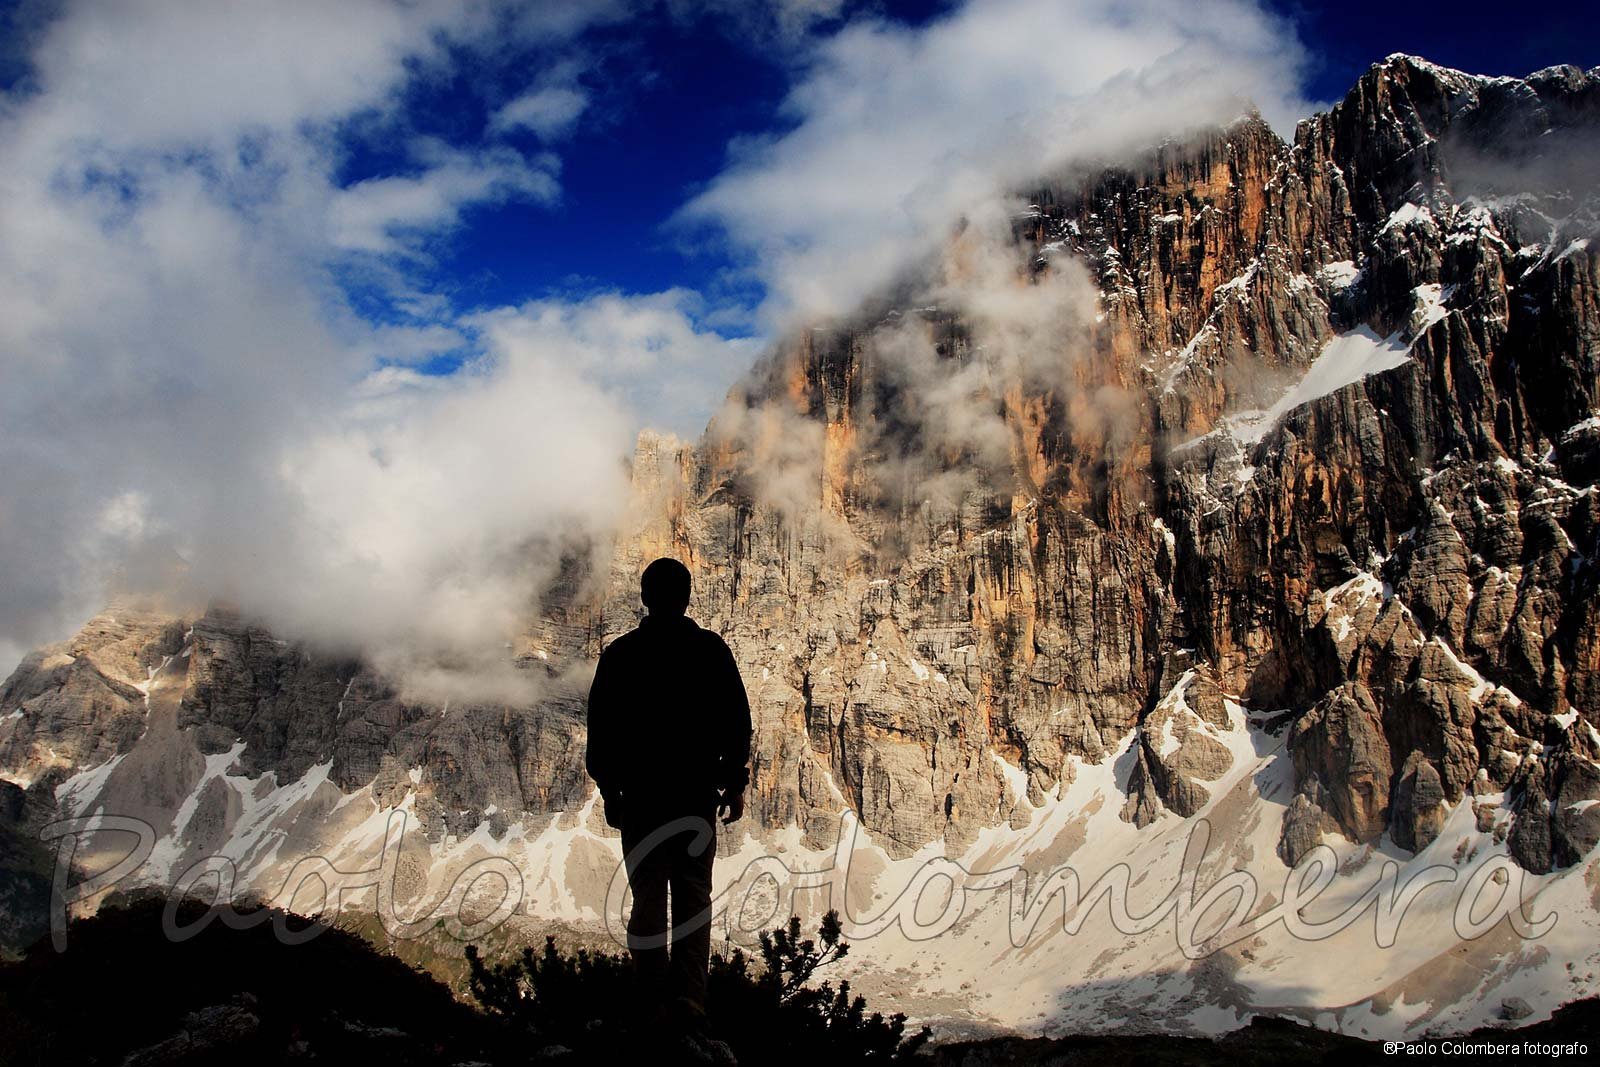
(731, 809)
(614, 807)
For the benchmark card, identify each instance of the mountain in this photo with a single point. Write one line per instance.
(1246, 491)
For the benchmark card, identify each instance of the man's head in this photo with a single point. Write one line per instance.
(664, 587)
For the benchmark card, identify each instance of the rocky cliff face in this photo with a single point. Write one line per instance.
(1311, 469)
(1352, 384)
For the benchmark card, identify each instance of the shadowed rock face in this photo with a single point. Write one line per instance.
(1328, 448)
(1342, 757)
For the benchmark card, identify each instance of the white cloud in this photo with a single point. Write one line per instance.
(173, 72)
(380, 214)
(899, 131)
(181, 71)
(181, 372)
(547, 112)
(947, 432)
(11, 655)
(414, 344)
(795, 17)
(423, 522)
(646, 350)
(764, 24)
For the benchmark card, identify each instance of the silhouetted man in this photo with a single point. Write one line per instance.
(669, 737)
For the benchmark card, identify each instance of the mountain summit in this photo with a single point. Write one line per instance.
(1248, 486)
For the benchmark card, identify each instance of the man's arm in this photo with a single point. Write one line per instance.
(732, 709)
(600, 757)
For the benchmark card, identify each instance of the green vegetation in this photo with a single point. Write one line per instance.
(766, 1012)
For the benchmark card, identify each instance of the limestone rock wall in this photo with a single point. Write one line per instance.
(1327, 451)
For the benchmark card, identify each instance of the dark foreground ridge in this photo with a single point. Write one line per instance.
(124, 993)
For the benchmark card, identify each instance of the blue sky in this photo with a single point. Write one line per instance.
(669, 87)
(670, 94)
(357, 308)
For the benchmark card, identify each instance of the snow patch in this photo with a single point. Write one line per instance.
(1580, 245)
(1577, 428)
(1481, 687)
(1186, 356)
(1241, 283)
(1166, 534)
(170, 848)
(1430, 305)
(1016, 780)
(1344, 361)
(340, 713)
(78, 792)
(1405, 215)
(1340, 274)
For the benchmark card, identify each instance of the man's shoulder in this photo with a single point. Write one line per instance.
(621, 645)
(643, 637)
(711, 639)
(715, 650)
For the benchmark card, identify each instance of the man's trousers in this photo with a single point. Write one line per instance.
(675, 855)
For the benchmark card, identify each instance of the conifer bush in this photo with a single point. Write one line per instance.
(767, 1010)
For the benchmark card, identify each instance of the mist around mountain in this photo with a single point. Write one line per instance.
(1199, 531)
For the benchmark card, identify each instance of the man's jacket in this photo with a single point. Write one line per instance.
(669, 723)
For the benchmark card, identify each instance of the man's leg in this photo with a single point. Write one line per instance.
(691, 918)
(648, 872)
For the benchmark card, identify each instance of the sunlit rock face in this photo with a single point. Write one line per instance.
(1294, 440)
(1326, 442)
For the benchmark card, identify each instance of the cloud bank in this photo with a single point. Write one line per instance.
(940, 377)
(185, 377)
(899, 131)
